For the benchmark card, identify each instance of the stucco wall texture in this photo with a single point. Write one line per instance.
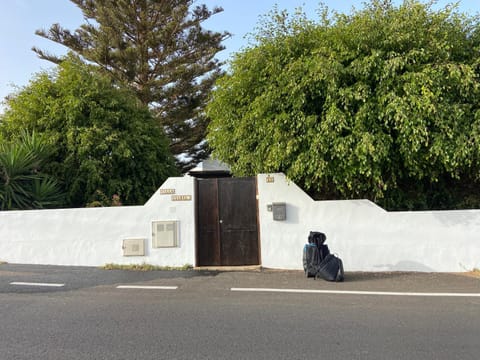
(365, 236)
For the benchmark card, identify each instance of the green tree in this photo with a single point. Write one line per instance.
(159, 49)
(103, 138)
(382, 103)
(22, 184)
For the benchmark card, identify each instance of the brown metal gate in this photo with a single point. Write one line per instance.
(227, 233)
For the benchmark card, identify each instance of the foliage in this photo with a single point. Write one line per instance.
(382, 103)
(103, 137)
(158, 49)
(146, 267)
(22, 184)
(99, 199)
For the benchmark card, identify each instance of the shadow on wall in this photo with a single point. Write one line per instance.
(405, 266)
(293, 216)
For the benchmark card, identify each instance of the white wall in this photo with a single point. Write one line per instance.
(94, 236)
(366, 237)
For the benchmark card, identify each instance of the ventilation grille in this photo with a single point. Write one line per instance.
(133, 247)
(164, 234)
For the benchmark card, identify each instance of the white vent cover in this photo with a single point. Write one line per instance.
(133, 247)
(164, 234)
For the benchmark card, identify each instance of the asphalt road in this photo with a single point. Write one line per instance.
(198, 316)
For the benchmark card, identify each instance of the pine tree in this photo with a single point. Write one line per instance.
(159, 49)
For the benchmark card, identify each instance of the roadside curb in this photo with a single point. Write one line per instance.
(251, 268)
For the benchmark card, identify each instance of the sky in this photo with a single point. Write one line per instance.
(20, 18)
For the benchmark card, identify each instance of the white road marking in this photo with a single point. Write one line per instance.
(147, 287)
(19, 283)
(346, 292)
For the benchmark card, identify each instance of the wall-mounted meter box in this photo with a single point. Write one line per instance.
(279, 211)
(164, 234)
(133, 247)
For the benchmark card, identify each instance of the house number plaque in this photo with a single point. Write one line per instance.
(167, 191)
(181, 197)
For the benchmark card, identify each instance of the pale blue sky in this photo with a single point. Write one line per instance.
(20, 18)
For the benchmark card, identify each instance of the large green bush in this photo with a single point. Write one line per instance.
(382, 103)
(103, 138)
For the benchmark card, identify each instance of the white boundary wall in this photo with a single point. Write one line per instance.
(366, 237)
(94, 236)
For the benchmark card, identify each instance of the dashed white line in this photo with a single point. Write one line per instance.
(146, 287)
(19, 283)
(347, 292)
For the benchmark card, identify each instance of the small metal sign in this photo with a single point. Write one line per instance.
(270, 179)
(167, 191)
(181, 197)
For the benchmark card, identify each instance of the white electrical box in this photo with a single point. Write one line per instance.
(164, 234)
(133, 247)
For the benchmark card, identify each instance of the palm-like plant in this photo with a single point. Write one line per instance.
(46, 193)
(22, 185)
